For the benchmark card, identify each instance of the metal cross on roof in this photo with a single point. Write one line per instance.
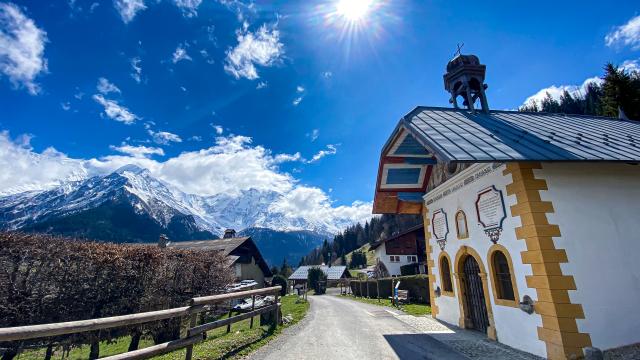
(459, 51)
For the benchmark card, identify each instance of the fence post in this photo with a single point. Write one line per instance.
(230, 313)
(253, 305)
(378, 289)
(276, 317)
(193, 319)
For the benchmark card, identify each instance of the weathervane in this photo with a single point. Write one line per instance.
(459, 51)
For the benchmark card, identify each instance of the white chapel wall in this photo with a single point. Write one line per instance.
(597, 207)
(514, 327)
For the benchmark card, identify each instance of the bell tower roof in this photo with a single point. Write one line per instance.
(465, 77)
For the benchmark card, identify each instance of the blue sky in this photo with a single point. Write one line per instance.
(93, 84)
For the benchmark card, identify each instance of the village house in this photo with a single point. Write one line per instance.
(242, 252)
(531, 219)
(334, 275)
(406, 249)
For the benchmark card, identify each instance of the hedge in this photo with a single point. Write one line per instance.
(417, 285)
(46, 279)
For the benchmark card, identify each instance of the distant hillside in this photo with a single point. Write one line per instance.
(355, 236)
(276, 245)
(371, 256)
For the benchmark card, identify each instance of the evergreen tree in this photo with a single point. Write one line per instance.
(618, 90)
(285, 269)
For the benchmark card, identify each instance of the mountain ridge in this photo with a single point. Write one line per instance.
(130, 205)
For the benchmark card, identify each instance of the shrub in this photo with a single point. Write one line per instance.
(279, 280)
(45, 279)
(317, 280)
(418, 286)
(409, 269)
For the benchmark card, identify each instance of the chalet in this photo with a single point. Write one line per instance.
(402, 250)
(334, 274)
(530, 219)
(242, 252)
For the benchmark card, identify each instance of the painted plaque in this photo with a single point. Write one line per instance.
(440, 227)
(491, 212)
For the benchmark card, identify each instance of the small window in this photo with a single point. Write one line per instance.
(411, 259)
(445, 271)
(395, 258)
(504, 287)
(461, 225)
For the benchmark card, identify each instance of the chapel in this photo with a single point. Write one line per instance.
(530, 219)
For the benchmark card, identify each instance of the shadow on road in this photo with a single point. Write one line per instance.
(421, 346)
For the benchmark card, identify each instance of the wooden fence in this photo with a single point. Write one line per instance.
(193, 334)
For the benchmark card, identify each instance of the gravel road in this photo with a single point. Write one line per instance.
(337, 328)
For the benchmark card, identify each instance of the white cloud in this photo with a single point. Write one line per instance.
(66, 106)
(631, 65)
(299, 88)
(297, 100)
(331, 150)
(327, 74)
(219, 130)
(28, 170)
(260, 48)
(129, 8)
(189, 7)
(313, 135)
(137, 69)
(164, 137)
(21, 48)
(115, 111)
(625, 35)
(246, 166)
(281, 158)
(556, 91)
(195, 138)
(262, 85)
(137, 151)
(105, 87)
(180, 54)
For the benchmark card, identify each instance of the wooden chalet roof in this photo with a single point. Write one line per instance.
(232, 248)
(430, 135)
(419, 227)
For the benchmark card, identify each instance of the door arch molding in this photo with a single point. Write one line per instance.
(461, 255)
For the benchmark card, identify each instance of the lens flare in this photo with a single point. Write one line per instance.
(354, 10)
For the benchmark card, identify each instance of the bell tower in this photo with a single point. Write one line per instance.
(465, 77)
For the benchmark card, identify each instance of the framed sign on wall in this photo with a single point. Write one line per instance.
(440, 227)
(491, 212)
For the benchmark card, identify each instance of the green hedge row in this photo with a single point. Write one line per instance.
(417, 285)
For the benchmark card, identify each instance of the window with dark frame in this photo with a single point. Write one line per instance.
(445, 270)
(504, 287)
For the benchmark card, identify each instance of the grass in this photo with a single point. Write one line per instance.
(371, 255)
(219, 345)
(411, 309)
(113, 347)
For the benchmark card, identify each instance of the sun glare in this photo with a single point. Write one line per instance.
(354, 10)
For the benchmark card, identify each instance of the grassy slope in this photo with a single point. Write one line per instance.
(240, 341)
(371, 256)
(411, 309)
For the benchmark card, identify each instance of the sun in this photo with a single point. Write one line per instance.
(354, 10)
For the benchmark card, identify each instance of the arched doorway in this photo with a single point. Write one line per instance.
(476, 316)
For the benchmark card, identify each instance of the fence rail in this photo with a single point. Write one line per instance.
(193, 335)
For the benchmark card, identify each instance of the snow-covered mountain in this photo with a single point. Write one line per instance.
(130, 205)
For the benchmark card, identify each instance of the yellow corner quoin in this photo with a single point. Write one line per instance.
(559, 328)
(430, 263)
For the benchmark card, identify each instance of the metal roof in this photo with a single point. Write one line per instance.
(463, 136)
(333, 272)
